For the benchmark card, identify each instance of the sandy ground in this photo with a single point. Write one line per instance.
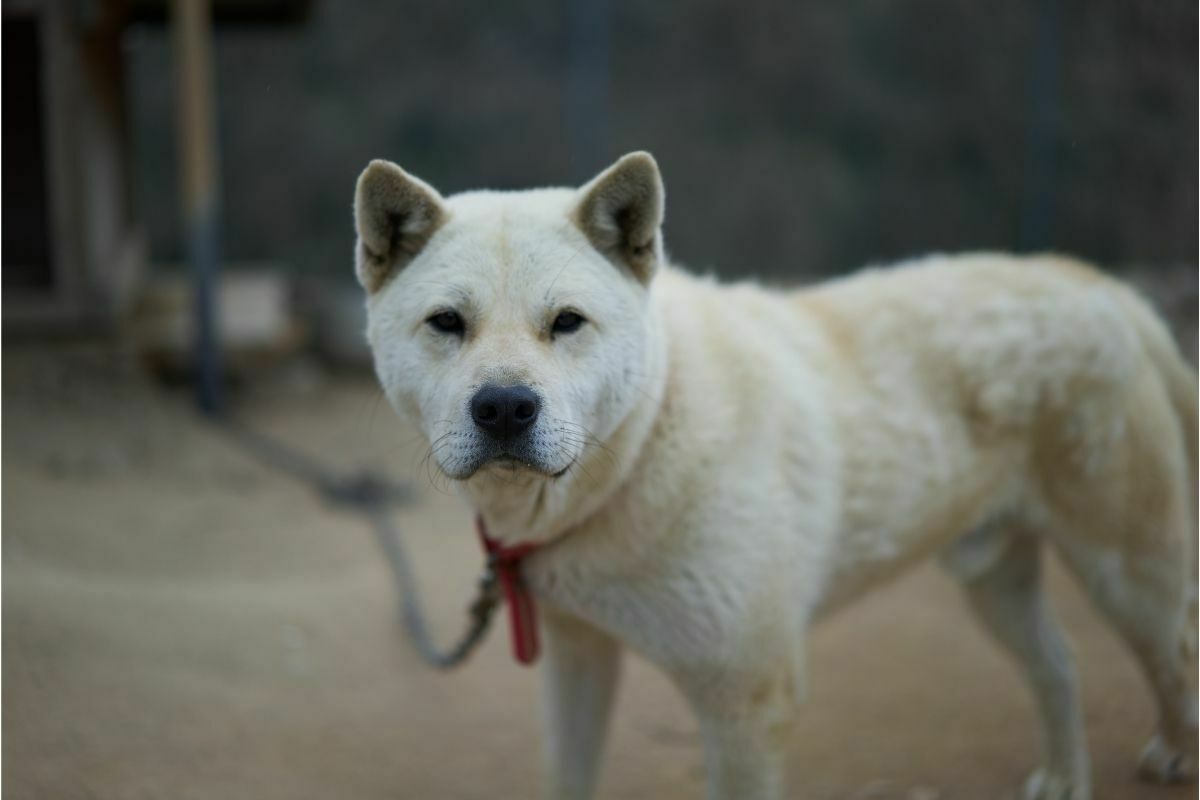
(180, 622)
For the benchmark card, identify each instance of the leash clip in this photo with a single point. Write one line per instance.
(487, 596)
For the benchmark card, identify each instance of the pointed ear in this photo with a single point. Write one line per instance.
(621, 213)
(395, 214)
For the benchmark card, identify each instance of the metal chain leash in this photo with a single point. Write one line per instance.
(481, 610)
(373, 497)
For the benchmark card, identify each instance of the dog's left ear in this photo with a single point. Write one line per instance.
(621, 213)
(395, 214)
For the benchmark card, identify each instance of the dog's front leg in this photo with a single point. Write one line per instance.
(742, 758)
(579, 683)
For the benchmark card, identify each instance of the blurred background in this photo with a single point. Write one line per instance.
(183, 619)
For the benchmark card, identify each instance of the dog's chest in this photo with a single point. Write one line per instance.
(680, 614)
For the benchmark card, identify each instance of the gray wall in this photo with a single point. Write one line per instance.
(797, 139)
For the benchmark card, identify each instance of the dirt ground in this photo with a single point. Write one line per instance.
(181, 622)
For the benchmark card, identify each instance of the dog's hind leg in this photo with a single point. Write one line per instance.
(1127, 530)
(1151, 602)
(1000, 571)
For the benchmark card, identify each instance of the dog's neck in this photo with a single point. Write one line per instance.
(524, 508)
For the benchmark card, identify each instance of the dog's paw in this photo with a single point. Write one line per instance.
(1164, 763)
(1046, 784)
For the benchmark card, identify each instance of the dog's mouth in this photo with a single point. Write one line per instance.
(508, 464)
(512, 463)
(507, 461)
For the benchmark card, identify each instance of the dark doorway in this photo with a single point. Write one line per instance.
(26, 240)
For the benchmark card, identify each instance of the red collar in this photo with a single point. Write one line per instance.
(522, 619)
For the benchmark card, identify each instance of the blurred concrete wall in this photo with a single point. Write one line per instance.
(797, 139)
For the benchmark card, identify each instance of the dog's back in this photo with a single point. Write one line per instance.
(1050, 404)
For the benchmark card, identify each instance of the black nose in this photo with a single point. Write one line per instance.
(504, 411)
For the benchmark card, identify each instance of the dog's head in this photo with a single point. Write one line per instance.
(511, 327)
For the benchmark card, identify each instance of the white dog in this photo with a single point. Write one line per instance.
(709, 470)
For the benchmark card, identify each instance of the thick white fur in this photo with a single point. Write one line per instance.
(739, 462)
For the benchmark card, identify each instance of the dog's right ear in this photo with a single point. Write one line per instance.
(395, 214)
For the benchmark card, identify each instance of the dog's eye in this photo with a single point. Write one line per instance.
(567, 322)
(446, 322)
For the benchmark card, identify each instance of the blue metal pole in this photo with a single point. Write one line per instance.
(1037, 213)
(192, 24)
(587, 83)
